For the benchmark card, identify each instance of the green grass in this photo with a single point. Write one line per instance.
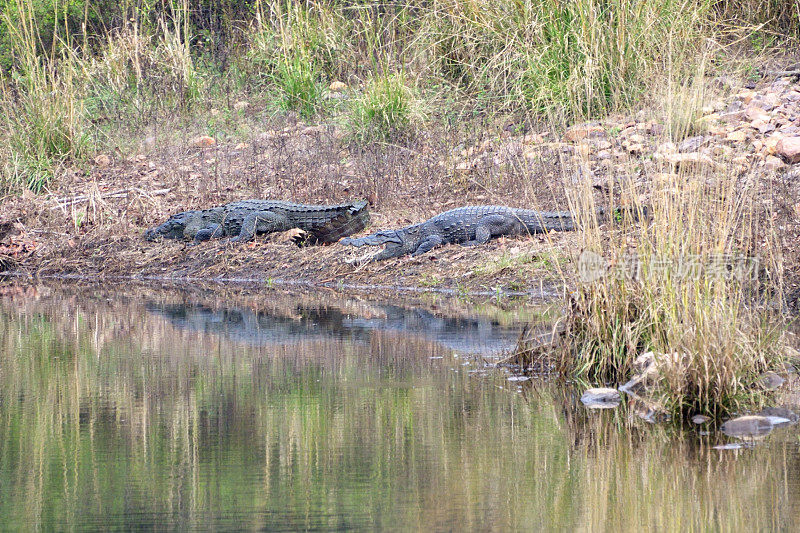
(387, 109)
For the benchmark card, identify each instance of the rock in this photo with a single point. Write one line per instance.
(601, 398)
(576, 133)
(635, 149)
(737, 136)
(771, 144)
(602, 145)
(770, 381)
(312, 130)
(102, 161)
(747, 426)
(692, 144)
(746, 96)
(756, 113)
(700, 419)
(776, 413)
(690, 161)
(774, 164)
(720, 150)
(603, 155)
(667, 148)
(241, 105)
(337, 86)
(789, 149)
(763, 128)
(202, 141)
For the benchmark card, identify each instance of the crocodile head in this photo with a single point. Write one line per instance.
(173, 228)
(401, 242)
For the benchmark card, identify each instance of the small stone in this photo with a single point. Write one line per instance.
(636, 139)
(770, 381)
(241, 105)
(789, 149)
(337, 86)
(692, 144)
(692, 160)
(755, 113)
(720, 150)
(747, 426)
(737, 136)
(774, 164)
(746, 96)
(576, 133)
(771, 144)
(667, 148)
(765, 128)
(102, 161)
(312, 130)
(636, 149)
(601, 398)
(700, 419)
(202, 141)
(603, 155)
(602, 145)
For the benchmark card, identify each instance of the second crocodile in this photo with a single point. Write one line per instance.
(246, 218)
(466, 225)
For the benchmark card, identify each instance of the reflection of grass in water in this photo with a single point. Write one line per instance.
(119, 413)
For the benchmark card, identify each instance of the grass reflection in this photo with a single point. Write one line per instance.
(113, 417)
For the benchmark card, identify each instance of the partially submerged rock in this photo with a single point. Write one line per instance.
(770, 381)
(601, 398)
(779, 415)
(748, 427)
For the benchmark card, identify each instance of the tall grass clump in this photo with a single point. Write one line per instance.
(692, 281)
(294, 47)
(43, 115)
(142, 71)
(387, 108)
(779, 19)
(580, 58)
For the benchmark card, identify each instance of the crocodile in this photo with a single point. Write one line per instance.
(246, 218)
(470, 226)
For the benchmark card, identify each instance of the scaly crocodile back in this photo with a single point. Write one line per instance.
(351, 219)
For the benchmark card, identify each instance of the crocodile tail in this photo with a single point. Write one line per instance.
(351, 220)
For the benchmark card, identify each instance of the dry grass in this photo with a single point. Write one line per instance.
(694, 277)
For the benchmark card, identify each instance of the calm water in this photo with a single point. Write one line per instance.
(152, 409)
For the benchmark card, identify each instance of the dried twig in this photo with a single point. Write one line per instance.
(62, 203)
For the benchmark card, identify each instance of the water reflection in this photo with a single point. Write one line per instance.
(114, 416)
(473, 334)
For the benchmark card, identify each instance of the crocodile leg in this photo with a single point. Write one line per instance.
(492, 226)
(428, 244)
(261, 222)
(208, 232)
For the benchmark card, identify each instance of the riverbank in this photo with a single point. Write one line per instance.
(91, 221)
